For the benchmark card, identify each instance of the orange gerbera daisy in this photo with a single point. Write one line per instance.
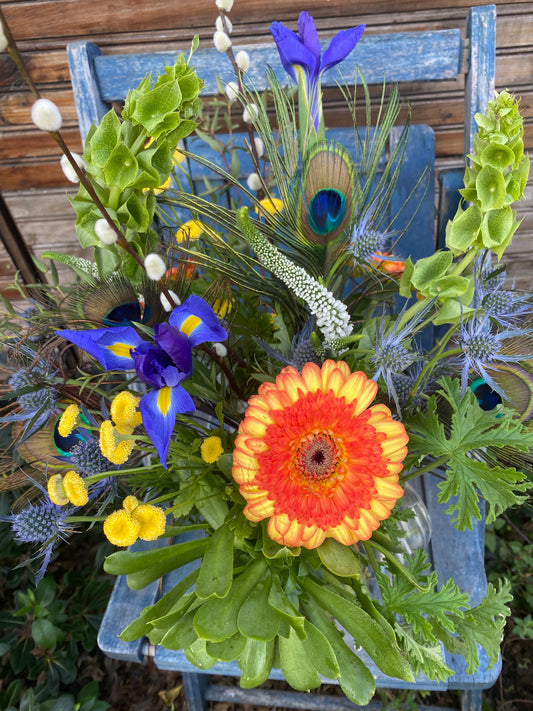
(315, 459)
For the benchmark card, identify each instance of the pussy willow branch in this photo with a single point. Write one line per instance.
(238, 74)
(16, 56)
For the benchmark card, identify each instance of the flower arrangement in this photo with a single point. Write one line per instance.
(254, 386)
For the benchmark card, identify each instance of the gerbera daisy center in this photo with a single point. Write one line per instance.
(317, 457)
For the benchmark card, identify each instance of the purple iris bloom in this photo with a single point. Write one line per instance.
(302, 58)
(167, 363)
(163, 364)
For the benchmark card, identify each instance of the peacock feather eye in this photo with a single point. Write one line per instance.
(328, 184)
(126, 314)
(487, 398)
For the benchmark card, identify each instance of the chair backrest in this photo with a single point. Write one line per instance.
(99, 80)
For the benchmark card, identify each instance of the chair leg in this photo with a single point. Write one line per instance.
(195, 685)
(471, 700)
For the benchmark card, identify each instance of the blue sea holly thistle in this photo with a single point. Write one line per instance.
(302, 59)
(162, 365)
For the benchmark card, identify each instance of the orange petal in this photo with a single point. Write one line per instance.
(312, 377)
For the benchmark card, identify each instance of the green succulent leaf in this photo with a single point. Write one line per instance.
(257, 619)
(217, 618)
(355, 678)
(227, 650)
(143, 567)
(339, 559)
(255, 662)
(216, 571)
(366, 631)
(296, 666)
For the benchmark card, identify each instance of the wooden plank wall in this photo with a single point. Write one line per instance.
(30, 177)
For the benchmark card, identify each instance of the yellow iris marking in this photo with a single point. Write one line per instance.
(163, 400)
(190, 323)
(122, 350)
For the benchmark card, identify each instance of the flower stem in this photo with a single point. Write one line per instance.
(428, 468)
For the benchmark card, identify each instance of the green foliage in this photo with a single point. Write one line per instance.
(43, 632)
(127, 160)
(495, 178)
(470, 429)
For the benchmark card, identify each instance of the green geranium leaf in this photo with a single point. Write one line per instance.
(420, 608)
(423, 657)
(491, 190)
(471, 429)
(463, 230)
(483, 625)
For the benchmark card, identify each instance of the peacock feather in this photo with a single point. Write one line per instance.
(327, 189)
(517, 384)
(113, 301)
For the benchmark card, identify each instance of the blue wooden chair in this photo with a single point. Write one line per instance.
(98, 80)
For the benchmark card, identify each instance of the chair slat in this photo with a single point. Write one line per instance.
(404, 56)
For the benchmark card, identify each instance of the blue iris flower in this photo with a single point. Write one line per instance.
(162, 365)
(303, 60)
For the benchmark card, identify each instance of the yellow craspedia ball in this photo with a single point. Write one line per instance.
(69, 420)
(121, 529)
(152, 521)
(123, 411)
(165, 186)
(190, 230)
(75, 489)
(112, 446)
(56, 490)
(211, 449)
(130, 503)
(271, 206)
